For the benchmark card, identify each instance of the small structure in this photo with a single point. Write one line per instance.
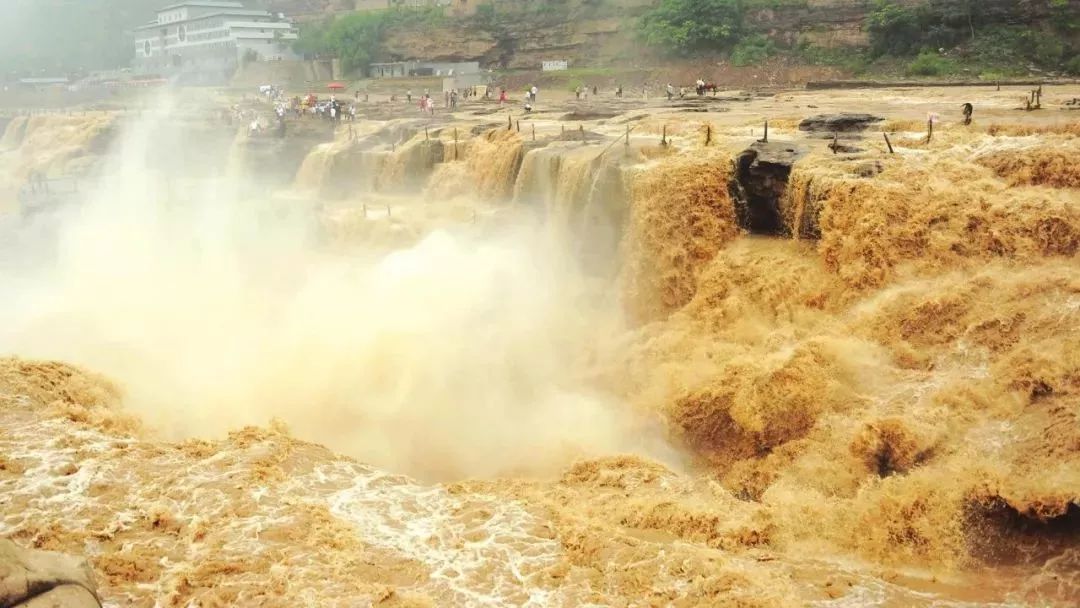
(465, 81)
(402, 69)
(395, 69)
(555, 65)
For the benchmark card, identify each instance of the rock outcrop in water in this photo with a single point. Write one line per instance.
(845, 122)
(759, 184)
(44, 579)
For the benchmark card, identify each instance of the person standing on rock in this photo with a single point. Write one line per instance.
(670, 92)
(408, 96)
(534, 91)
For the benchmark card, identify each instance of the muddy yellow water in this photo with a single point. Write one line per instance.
(467, 366)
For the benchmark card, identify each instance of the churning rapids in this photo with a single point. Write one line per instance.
(443, 362)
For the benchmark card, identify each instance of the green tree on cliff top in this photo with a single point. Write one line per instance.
(686, 26)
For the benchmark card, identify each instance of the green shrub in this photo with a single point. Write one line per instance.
(851, 59)
(684, 26)
(893, 29)
(752, 50)
(929, 63)
(485, 15)
(1012, 46)
(1073, 66)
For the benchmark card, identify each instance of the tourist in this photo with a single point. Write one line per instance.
(670, 92)
(534, 91)
(408, 96)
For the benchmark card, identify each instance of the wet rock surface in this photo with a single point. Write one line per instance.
(844, 122)
(758, 184)
(40, 579)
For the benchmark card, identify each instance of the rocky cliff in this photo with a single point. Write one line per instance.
(522, 33)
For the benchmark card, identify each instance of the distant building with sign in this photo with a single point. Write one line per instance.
(554, 66)
(402, 69)
(203, 42)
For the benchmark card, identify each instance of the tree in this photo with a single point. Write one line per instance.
(355, 39)
(894, 29)
(685, 26)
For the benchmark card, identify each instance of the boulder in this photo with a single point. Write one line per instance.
(44, 579)
(758, 184)
(845, 122)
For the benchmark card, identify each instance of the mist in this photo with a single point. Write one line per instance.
(465, 354)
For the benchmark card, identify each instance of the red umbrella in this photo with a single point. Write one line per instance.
(335, 86)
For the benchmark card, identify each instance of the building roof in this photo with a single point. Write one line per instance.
(58, 80)
(203, 4)
(235, 13)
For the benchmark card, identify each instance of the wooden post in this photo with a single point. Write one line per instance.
(663, 137)
(455, 144)
(534, 131)
(766, 138)
(929, 129)
(388, 211)
(835, 145)
(364, 208)
(627, 136)
(509, 122)
(519, 126)
(708, 134)
(887, 142)
(427, 136)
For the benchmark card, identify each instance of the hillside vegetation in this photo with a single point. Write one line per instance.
(991, 38)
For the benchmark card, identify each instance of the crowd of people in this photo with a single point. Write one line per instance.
(335, 109)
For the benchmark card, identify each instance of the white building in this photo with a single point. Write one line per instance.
(203, 42)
